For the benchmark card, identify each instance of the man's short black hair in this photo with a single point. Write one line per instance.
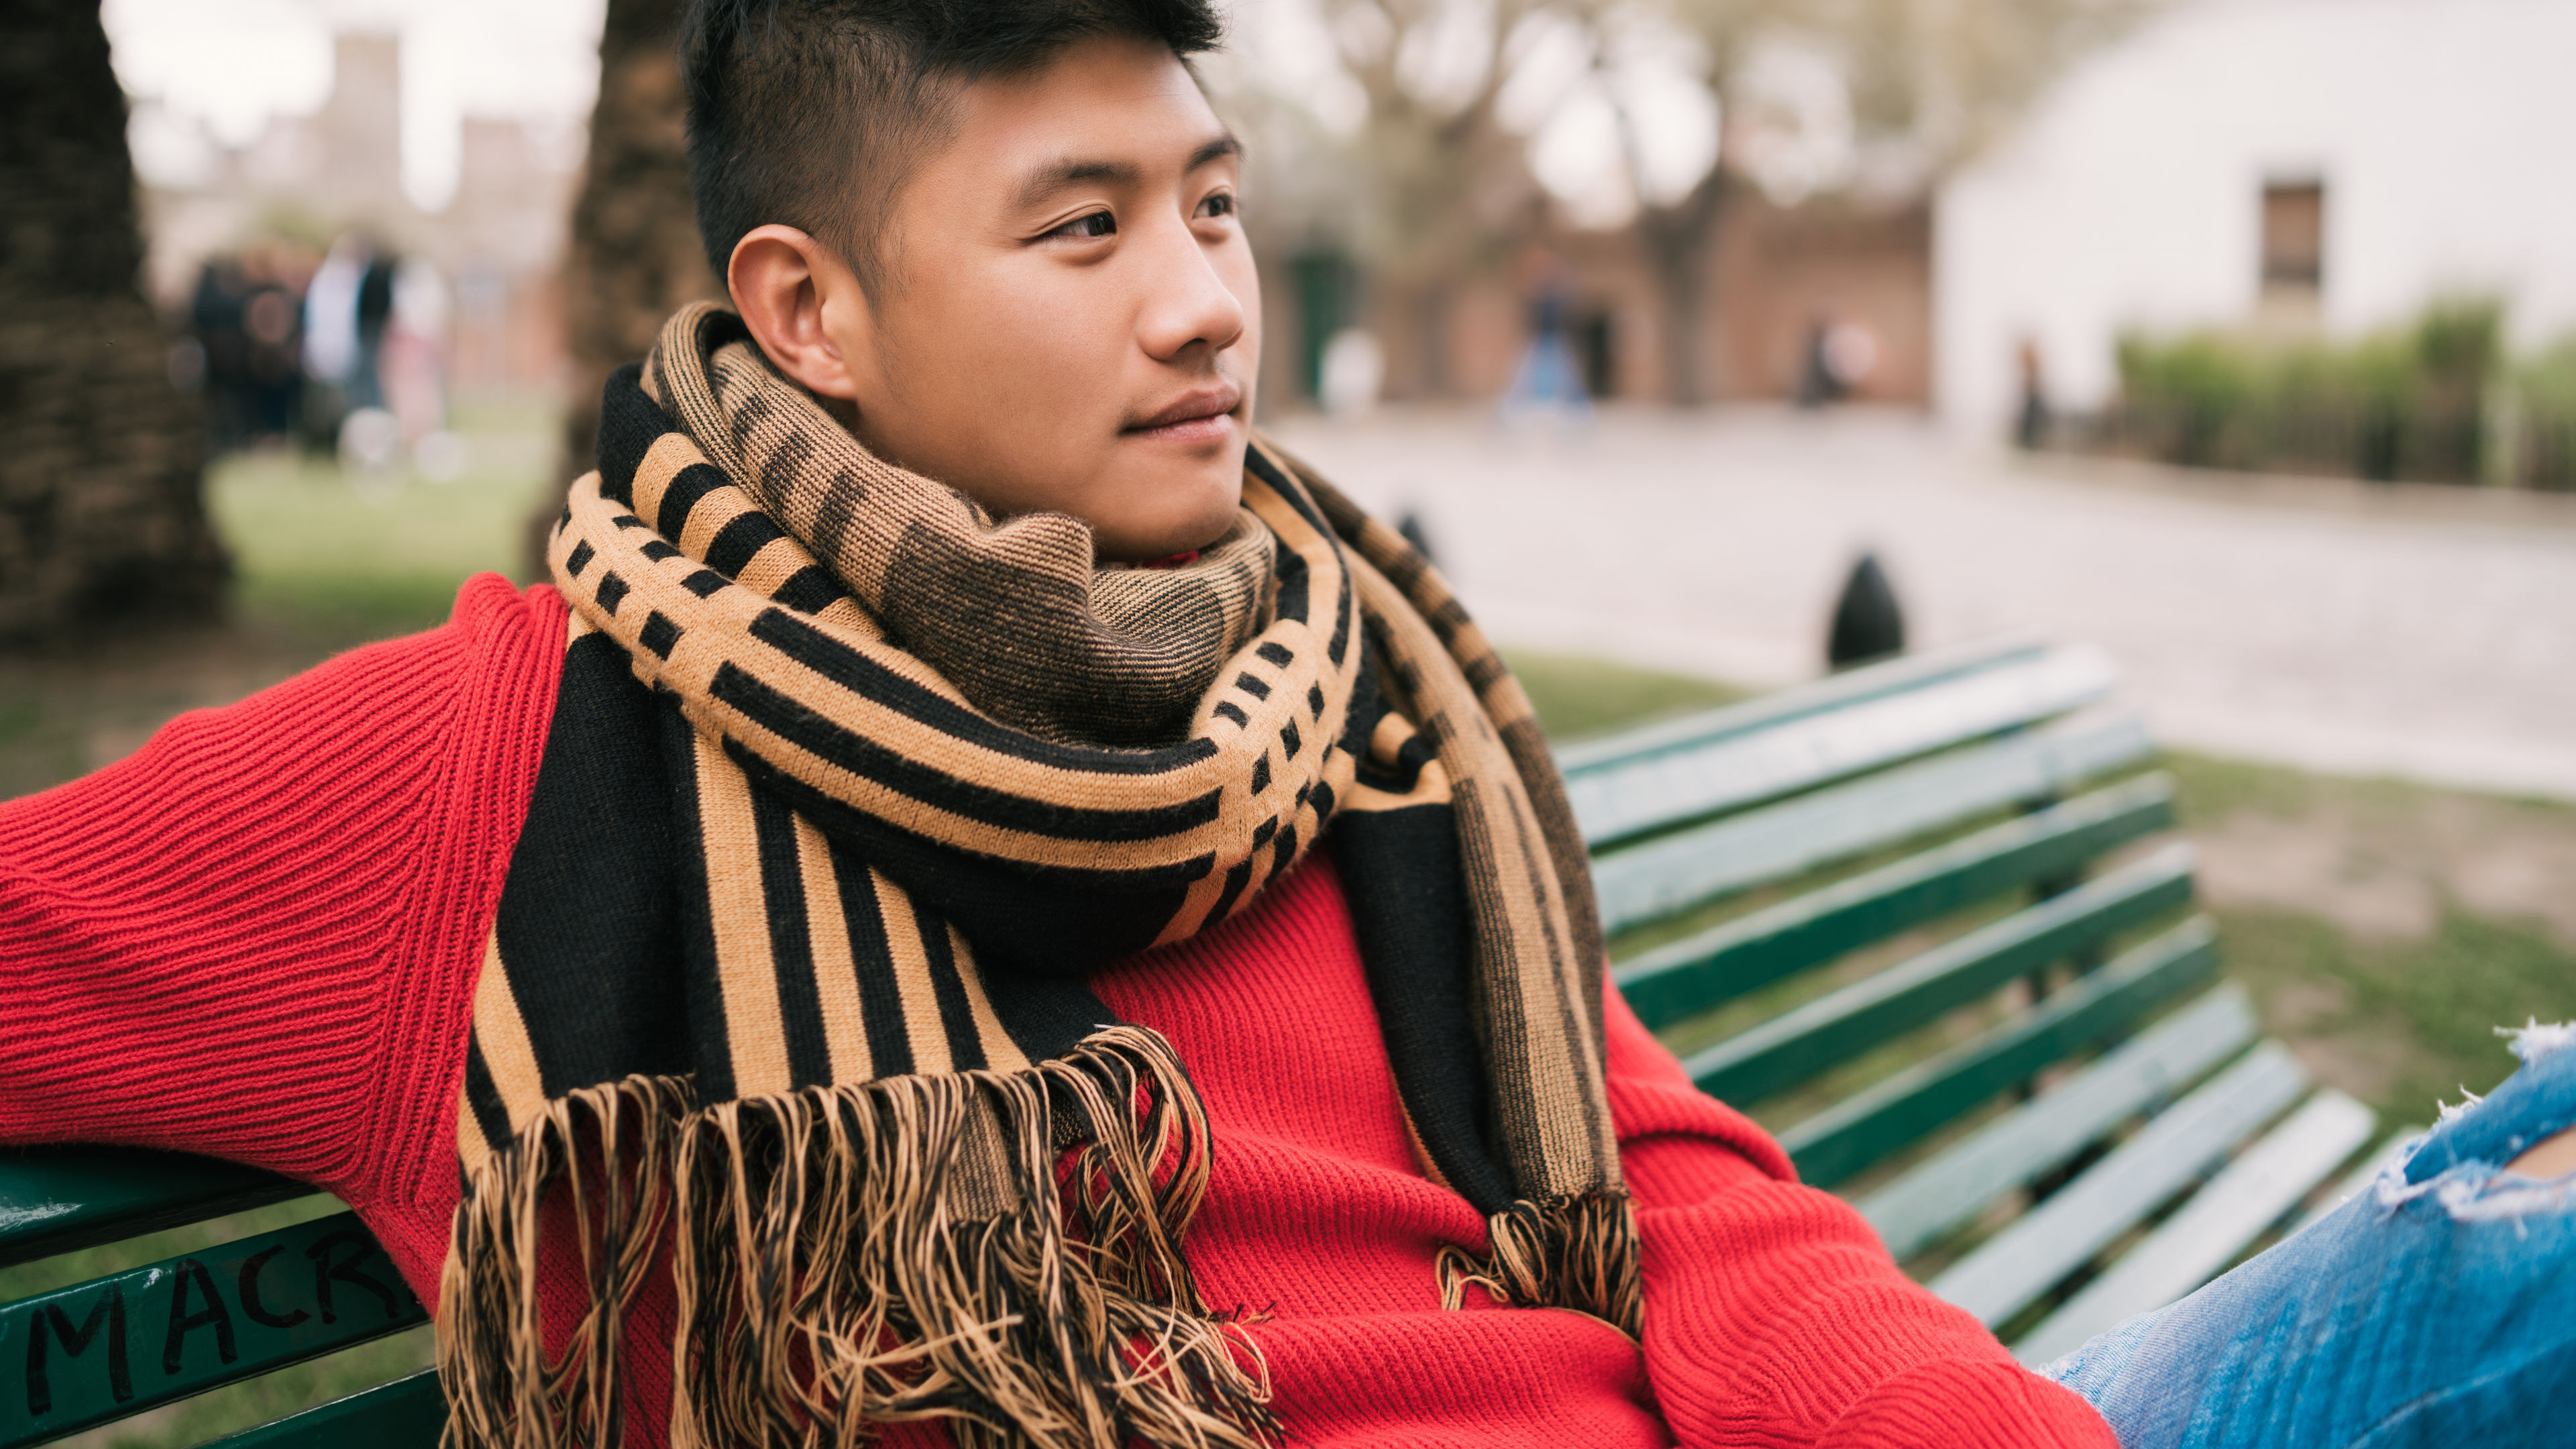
(810, 113)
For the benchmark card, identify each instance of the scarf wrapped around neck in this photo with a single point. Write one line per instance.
(849, 785)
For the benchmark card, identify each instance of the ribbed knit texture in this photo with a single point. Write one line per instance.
(258, 938)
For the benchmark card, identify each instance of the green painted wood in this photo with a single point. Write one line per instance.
(2012, 1268)
(1944, 1193)
(2210, 1231)
(1633, 797)
(1798, 1044)
(1719, 964)
(1816, 696)
(114, 1346)
(1673, 873)
(1843, 1140)
(405, 1413)
(56, 1199)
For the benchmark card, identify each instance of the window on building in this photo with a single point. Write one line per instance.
(2294, 236)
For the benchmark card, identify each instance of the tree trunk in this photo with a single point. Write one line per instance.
(102, 507)
(634, 256)
(1676, 241)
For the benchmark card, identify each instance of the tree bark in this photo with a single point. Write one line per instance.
(102, 505)
(634, 256)
(1676, 242)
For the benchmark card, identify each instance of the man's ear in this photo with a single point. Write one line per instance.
(804, 307)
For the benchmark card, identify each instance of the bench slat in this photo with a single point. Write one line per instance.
(1834, 1028)
(1938, 1196)
(2080, 1219)
(57, 1199)
(1663, 876)
(1845, 1139)
(1615, 802)
(118, 1345)
(2190, 1248)
(2390, 1151)
(403, 1413)
(1870, 681)
(1716, 965)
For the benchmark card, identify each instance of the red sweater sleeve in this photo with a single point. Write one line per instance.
(256, 938)
(1774, 1315)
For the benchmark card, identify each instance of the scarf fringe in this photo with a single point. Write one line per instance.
(1577, 1251)
(998, 1250)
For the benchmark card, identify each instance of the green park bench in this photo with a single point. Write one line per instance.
(1914, 916)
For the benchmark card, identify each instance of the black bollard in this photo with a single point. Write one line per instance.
(1868, 623)
(1410, 525)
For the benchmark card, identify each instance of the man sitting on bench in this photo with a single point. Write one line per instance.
(985, 903)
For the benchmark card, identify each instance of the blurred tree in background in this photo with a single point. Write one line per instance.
(634, 257)
(1427, 138)
(101, 457)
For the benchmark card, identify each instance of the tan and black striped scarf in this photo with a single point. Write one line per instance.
(848, 787)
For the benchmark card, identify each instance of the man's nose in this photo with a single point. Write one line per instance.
(1186, 303)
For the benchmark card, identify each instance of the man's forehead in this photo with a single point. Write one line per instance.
(1102, 104)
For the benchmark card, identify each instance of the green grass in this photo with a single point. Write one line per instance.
(332, 562)
(2413, 1021)
(1578, 696)
(322, 563)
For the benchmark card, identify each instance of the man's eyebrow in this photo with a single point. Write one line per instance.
(1223, 146)
(1055, 176)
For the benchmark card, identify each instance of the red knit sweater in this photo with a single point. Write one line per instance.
(258, 939)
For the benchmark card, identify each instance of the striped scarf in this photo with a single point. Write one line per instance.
(848, 786)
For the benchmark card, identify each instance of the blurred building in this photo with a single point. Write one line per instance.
(2276, 165)
(306, 179)
(1776, 275)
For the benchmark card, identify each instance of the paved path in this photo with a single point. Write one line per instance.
(2423, 632)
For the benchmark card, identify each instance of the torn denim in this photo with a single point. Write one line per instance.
(2435, 1308)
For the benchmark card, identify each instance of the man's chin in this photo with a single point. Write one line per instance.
(1178, 510)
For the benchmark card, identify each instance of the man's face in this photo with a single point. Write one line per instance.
(1068, 318)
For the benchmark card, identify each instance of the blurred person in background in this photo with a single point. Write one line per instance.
(347, 313)
(215, 320)
(1837, 359)
(246, 312)
(1054, 923)
(2031, 419)
(412, 350)
(1549, 379)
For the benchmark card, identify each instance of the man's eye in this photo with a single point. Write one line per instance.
(1098, 223)
(1221, 204)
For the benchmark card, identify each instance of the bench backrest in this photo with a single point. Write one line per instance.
(1975, 910)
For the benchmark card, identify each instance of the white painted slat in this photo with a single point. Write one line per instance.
(1670, 874)
(1945, 1191)
(1617, 801)
(2077, 1221)
(2190, 1248)
(1833, 691)
(2390, 1151)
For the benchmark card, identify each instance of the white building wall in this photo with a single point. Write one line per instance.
(2444, 130)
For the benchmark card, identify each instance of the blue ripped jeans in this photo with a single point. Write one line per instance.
(2436, 1308)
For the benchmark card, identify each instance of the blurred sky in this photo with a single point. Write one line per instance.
(233, 62)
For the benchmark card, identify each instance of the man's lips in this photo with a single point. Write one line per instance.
(1200, 412)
